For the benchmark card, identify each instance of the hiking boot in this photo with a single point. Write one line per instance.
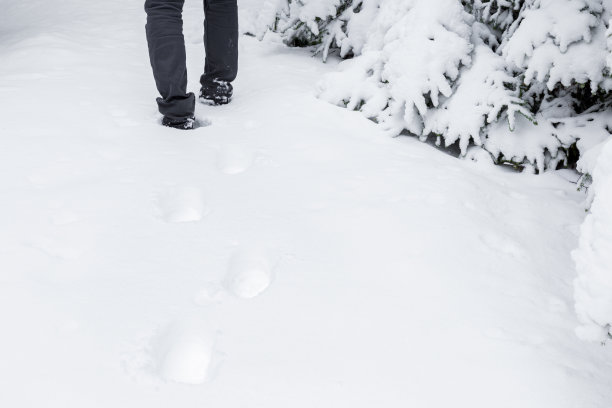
(217, 93)
(183, 124)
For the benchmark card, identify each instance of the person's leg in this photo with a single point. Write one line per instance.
(167, 53)
(221, 44)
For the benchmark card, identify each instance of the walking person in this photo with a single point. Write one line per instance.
(168, 59)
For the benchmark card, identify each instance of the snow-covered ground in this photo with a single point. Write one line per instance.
(287, 255)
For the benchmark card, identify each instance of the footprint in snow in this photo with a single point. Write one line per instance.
(202, 122)
(249, 274)
(182, 204)
(503, 244)
(235, 159)
(184, 352)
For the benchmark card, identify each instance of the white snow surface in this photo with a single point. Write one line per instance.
(593, 258)
(289, 254)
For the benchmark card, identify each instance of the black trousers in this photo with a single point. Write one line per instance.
(167, 51)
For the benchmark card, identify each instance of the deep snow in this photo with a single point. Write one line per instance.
(287, 255)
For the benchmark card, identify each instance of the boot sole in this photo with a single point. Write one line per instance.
(215, 101)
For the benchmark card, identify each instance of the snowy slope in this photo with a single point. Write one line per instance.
(287, 255)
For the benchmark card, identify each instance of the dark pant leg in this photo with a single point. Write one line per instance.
(220, 42)
(167, 53)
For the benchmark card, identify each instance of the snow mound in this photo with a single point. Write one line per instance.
(593, 286)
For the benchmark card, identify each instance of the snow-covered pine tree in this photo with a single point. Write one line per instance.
(405, 36)
(499, 14)
(558, 50)
(324, 24)
(463, 70)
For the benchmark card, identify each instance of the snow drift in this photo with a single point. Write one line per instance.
(593, 287)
